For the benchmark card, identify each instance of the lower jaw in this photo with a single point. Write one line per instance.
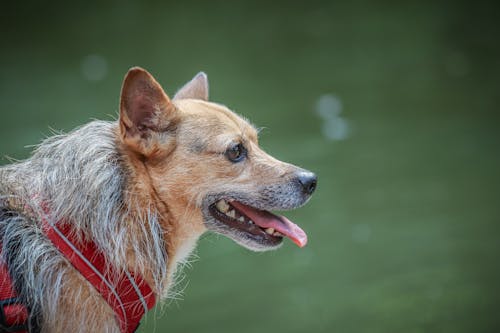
(257, 241)
(244, 238)
(255, 245)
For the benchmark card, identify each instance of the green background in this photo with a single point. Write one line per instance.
(404, 227)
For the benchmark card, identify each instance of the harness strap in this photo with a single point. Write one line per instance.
(128, 295)
(13, 314)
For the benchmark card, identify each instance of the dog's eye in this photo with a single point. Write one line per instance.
(236, 153)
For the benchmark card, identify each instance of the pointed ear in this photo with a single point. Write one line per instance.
(145, 110)
(197, 88)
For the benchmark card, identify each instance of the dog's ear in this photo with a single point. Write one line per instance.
(197, 88)
(146, 112)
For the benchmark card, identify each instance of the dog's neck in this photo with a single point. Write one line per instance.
(179, 236)
(103, 199)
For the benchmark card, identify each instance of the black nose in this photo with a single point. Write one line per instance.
(308, 180)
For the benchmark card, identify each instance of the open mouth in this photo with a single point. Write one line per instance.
(259, 225)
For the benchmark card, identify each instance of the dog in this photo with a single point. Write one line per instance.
(94, 225)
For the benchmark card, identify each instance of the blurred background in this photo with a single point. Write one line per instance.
(395, 105)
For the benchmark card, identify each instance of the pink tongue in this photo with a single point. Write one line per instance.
(281, 224)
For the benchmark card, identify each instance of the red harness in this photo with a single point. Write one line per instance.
(13, 314)
(127, 294)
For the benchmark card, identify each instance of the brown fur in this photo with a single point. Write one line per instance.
(167, 168)
(173, 152)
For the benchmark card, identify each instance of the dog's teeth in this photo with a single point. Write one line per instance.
(278, 234)
(222, 206)
(250, 221)
(241, 219)
(231, 213)
(269, 231)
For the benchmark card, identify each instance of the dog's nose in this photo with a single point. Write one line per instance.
(308, 180)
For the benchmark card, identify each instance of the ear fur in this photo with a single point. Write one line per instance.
(197, 88)
(145, 110)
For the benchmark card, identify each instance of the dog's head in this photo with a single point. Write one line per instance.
(204, 163)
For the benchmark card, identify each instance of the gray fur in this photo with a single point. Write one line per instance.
(81, 177)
